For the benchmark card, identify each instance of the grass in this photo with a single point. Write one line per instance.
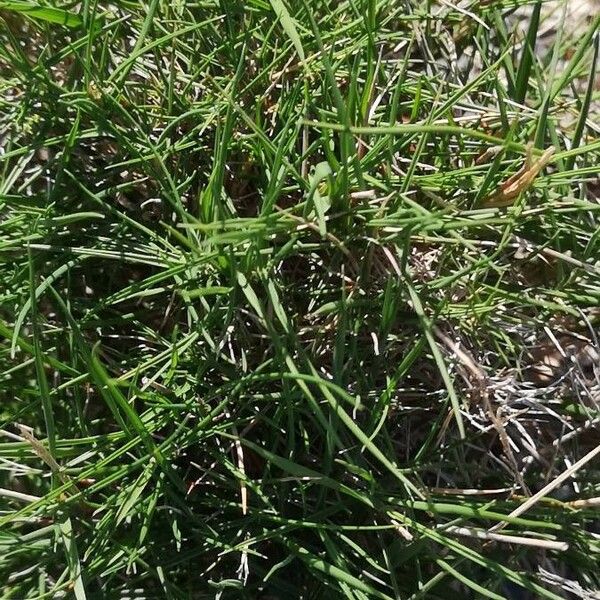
(287, 310)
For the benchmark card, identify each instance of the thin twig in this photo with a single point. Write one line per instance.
(507, 539)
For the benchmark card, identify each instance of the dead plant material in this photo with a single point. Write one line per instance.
(479, 384)
(552, 358)
(520, 182)
(44, 454)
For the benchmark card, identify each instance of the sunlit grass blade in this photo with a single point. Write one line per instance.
(43, 13)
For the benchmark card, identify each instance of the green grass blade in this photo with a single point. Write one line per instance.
(527, 55)
(585, 106)
(289, 26)
(43, 13)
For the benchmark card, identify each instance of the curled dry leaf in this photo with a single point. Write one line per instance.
(521, 181)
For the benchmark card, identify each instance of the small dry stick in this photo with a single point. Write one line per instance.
(44, 454)
(585, 503)
(481, 382)
(239, 451)
(507, 539)
(566, 474)
(469, 491)
(4, 493)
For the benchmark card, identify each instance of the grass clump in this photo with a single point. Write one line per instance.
(299, 299)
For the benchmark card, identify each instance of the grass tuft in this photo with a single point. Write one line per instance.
(299, 299)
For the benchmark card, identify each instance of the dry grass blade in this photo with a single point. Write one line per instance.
(507, 539)
(555, 483)
(521, 181)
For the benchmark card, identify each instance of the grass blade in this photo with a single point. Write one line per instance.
(289, 26)
(527, 55)
(43, 13)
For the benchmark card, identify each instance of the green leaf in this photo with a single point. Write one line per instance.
(526, 63)
(321, 203)
(206, 291)
(289, 26)
(44, 13)
(67, 535)
(336, 573)
(135, 491)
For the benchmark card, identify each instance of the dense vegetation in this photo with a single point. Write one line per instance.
(299, 300)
